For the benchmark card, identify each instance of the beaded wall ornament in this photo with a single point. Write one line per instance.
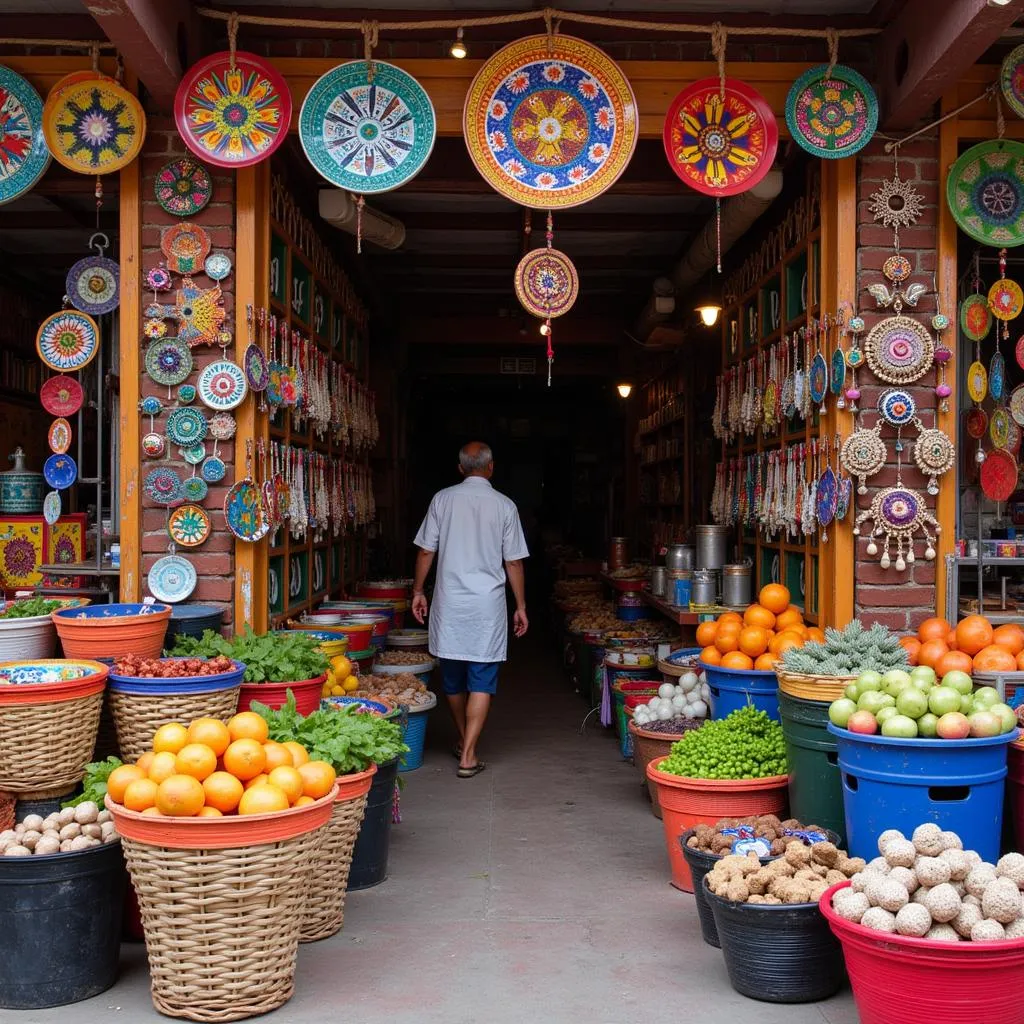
(199, 312)
(817, 374)
(854, 361)
(837, 364)
(828, 492)
(864, 454)
(844, 488)
(942, 356)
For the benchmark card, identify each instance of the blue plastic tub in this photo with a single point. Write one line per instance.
(734, 688)
(415, 737)
(902, 783)
(327, 703)
(182, 684)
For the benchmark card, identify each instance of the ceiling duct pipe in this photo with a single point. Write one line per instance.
(738, 213)
(340, 209)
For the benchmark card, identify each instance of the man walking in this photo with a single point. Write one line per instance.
(475, 533)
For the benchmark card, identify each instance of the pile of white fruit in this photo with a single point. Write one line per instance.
(687, 699)
(930, 887)
(66, 831)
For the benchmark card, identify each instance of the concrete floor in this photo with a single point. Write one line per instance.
(537, 891)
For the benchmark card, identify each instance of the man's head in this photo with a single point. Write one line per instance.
(476, 459)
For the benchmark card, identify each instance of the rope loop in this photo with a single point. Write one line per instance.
(94, 55)
(232, 38)
(719, 35)
(371, 33)
(832, 38)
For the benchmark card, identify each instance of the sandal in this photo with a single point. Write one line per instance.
(468, 773)
(457, 752)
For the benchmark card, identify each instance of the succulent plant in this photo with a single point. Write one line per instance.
(847, 652)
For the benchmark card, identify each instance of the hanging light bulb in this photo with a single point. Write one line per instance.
(458, 48)
(545, 329)
(709, 314)
(624, 389)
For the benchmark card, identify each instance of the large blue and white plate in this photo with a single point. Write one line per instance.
(24, 156)
(60, 471)
(172, 579)
(367, 137)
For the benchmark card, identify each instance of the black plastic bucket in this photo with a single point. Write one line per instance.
(778, 954)
(60, 918)
(370, 855)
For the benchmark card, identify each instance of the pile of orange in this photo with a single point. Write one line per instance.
(973, 645)
(755, 639)
(208, 769)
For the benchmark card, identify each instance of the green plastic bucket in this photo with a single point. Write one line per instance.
(815, 783)
(622, 688)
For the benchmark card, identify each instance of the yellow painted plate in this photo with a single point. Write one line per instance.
(977, 382)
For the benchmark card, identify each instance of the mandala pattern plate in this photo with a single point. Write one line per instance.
(222, 426)
(93, 285)
(243, 511)
(183, 187)
(59, 436)
(999, 475)
(976, 423)
(899, 350)
(68, 340)
(257, 373)
(61, 396)
(818, 378)
(720, 147)
(195, 488)
(977, 382)
(367, 137)
(999, 428)
(213, 470)
(186, 246)
(60, 471)
(832, 115)
(51, 507)
(550, 122)
(168, 361)
(827, 497)
(546, 283)
(1017, 404)
(222, 385)
(1005, 299)
(23, 153)
(233, 116)
(187, 394)
(93, 125)
(186, 426)
(985, 192)
(163, 486)
(189, 525)
(172, 579)
(975, 317)
(897, 407)
(1011, 80)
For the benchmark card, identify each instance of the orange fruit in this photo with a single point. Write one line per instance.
(247, 725)
(783, 642)
(172, 737)
(119, 778)
(995, 658)
(800, 629)
(973, 633)
(727, 641)
(788, 618)
(1010, 636)
(706, 633)
(755, 615)
(223, 791)
(140, 794)
(257, 780)
(774, 597)
(180, 796)
(298, 752)
(211, 731)
(153, 812)
(766, 663)
(144, 762)
(753, 641)
(737, 659)
(245, 758)
(933, 629)
(317, 778)
(730, 617)
(951, 641)
(953, 661)
(197, 760)
(278, 755)
(1020, 662)
(263, 799)
(913, 648)
(710, 656)
(209, 812)
(813, 633)
(163, 766)
(287, 777)
(303, 801)
(931, 651)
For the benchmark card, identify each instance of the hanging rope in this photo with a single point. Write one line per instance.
(832, 38)
(1000, 120)
(94, 55)
(371, 33)
(718, 39)
(232, 38)
(62, 44)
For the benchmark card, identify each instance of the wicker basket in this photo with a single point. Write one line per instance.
(325, 906)
(808, 687)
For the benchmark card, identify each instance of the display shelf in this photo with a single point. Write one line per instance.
(988, 560)
(78, 569)
(670, 611)
(625, 585)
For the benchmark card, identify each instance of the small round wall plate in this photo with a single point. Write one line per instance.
(985, 192)
(189, 525)
(60, 471)
(222, 426)
(194, 453)
(977, 382)
(976, 422)
(1005, 299)
(154, 328)
(51, 507)
(153, 445)
(68, 340)
(93, 285)
(168, 361)
(186, 426)
(61, 396)
(998, 475)
(195, 488)
(833, 112)
(172, 579)
(217, 266)
(186, 246)
(150, 406)
(1017, 404)
(163, 486)
(158, 279)
(213, 470)
(897, 268)
(999, 427)
(21, 136)
(222, 385)
(183, 186)
(59, 436)
(897, 407)
(975, 317)
(546, 283)
(899, 350)
(187, 394)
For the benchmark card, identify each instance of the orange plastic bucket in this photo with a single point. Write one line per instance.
(356, 784)
(112, 630)
(686, 802)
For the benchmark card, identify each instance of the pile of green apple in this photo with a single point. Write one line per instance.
(915, 703)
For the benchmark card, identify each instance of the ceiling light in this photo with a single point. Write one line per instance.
(624, 390)
(709, 314)
(998, 3)
(458, 48)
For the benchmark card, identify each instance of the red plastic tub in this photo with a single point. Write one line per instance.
(952, 982)
(393, 590)
(275, 695)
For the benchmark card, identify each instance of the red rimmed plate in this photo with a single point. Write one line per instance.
(61, 396)
(1005, 299)
(999, 475)
(59, 436)
(546, 283)
(976, 423)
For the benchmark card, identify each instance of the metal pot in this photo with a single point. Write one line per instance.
(679, 556)
(711, 546)
(736, 583)
(659, 576)
(21, 491)
(704, 587)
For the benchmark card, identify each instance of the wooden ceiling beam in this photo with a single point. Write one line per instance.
(414, 263)
(429, 220)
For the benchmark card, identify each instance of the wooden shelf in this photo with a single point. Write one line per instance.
(680, 616)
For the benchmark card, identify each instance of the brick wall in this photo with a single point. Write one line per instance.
(213, 560)
(900, 600)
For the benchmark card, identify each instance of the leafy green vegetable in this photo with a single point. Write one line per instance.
(95, 782)
(30, 607)
(349, 739)
(270, 658)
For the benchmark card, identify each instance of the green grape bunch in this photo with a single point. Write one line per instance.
(745, 745)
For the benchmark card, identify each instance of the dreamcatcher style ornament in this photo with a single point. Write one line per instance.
(899, 350)
(985, 192)
(199, 312)
(546, 283)
(24, 156)
(93, 283)
(831, 111)
(898, 513)
(934, 455)
(68, 340)
(864, 454)
(183, 187)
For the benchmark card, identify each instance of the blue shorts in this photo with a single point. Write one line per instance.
(469, 676)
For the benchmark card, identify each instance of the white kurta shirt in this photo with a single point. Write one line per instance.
(474, 529)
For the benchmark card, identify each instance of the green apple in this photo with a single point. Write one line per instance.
(885, 714)
(985, 697)
(1006, 715)
(901, 726)
(870, 682)
(839, 711)
(896, 677)
(925, 672)
(896, 686)
(960, 681)
(912, 702)
(850, 691)
(943, 699)
(874, 701)
(926, 724)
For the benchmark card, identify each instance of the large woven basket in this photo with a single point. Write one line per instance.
(810, 687)
(328, 885)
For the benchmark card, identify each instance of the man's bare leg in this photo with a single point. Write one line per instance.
(457, 704)
(476, 714)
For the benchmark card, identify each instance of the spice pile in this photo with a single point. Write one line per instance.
(171, 668)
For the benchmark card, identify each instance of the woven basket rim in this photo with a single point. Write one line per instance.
(22, 694)
(807, 676)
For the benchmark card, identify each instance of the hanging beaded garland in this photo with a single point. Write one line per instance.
(899, 350)
(898, 513)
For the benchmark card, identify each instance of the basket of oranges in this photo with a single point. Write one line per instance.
(220, 828)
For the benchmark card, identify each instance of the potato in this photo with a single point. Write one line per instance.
(66, 815)
(80, 843)
(92, 830)
(86, 812)
(65, 846)
(33, 823)
(47, 845)
(104, 815)
(30, 838)
(70, 830)
(17, 851)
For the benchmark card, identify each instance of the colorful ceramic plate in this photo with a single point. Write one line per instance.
(172, 579)
(1005, 299)
(68, 340)
(999, 427)
(1017, 404)
(899, 350)
(546, 283)
(897, 407)
(150, 405)
(817, 378)
(996, 375)
(550, 122)
(186, 426)
(217, 266)
(183, 187)
(977, 382)
(168, 361)
(93, 125)
(257, 373)
(23, 153)
(194, 453)
(832, 115)
(61, 396)
(222, 426)
(153, 445)
(367, 137)
(1011, 80)
(189, 525)
(233, 115)
(213, 470)
(187, 394)
(93, 285)
(975, 317)
(186, 246)
(985, 192)
(195, 488)
(720, 147)
(59, 436)
(976, 423)
(244, 512)
(51, 507)
(60, 471)
(163, 486)
(999, 475)
(222, 385)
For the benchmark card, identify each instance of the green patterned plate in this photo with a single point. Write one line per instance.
(985, 192)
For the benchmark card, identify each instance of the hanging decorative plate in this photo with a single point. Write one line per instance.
(899, 350)
(844, 498)
(367, 137)
(150, 406)
(977, 382)
(61, 396)
(186, 246)
(817, 378)
(863, 454)
(1005, 299)
(153, 445)
(243, 511)
(168, 361)
(159, 279)
(222, 385)
(60, 471)
(154, 328)
(897, 268)
(976, 423)
(194, 453)
(550, 122)
(975, 317)
(999, 427)
(195, 488)
(720, 147)
(257, 373)
(837, 374)
(93, 125)
(200, 314)
(546, 283)
(213, 470)
(183, 186)
(1011, 80)
(172, 579)
(222, 426)
(999, 475)
(92, 285)
(996, 375)
(1017, 405)
(67, 340)
(827, 497)
(163, 486)
(187, 394)
(985, 192)
(897, 407)
(23, 153)
(189, 525)
(186, 426)
(217, 266)
(832, 115)
(59, 436)
(233, 115)
(51, 507)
